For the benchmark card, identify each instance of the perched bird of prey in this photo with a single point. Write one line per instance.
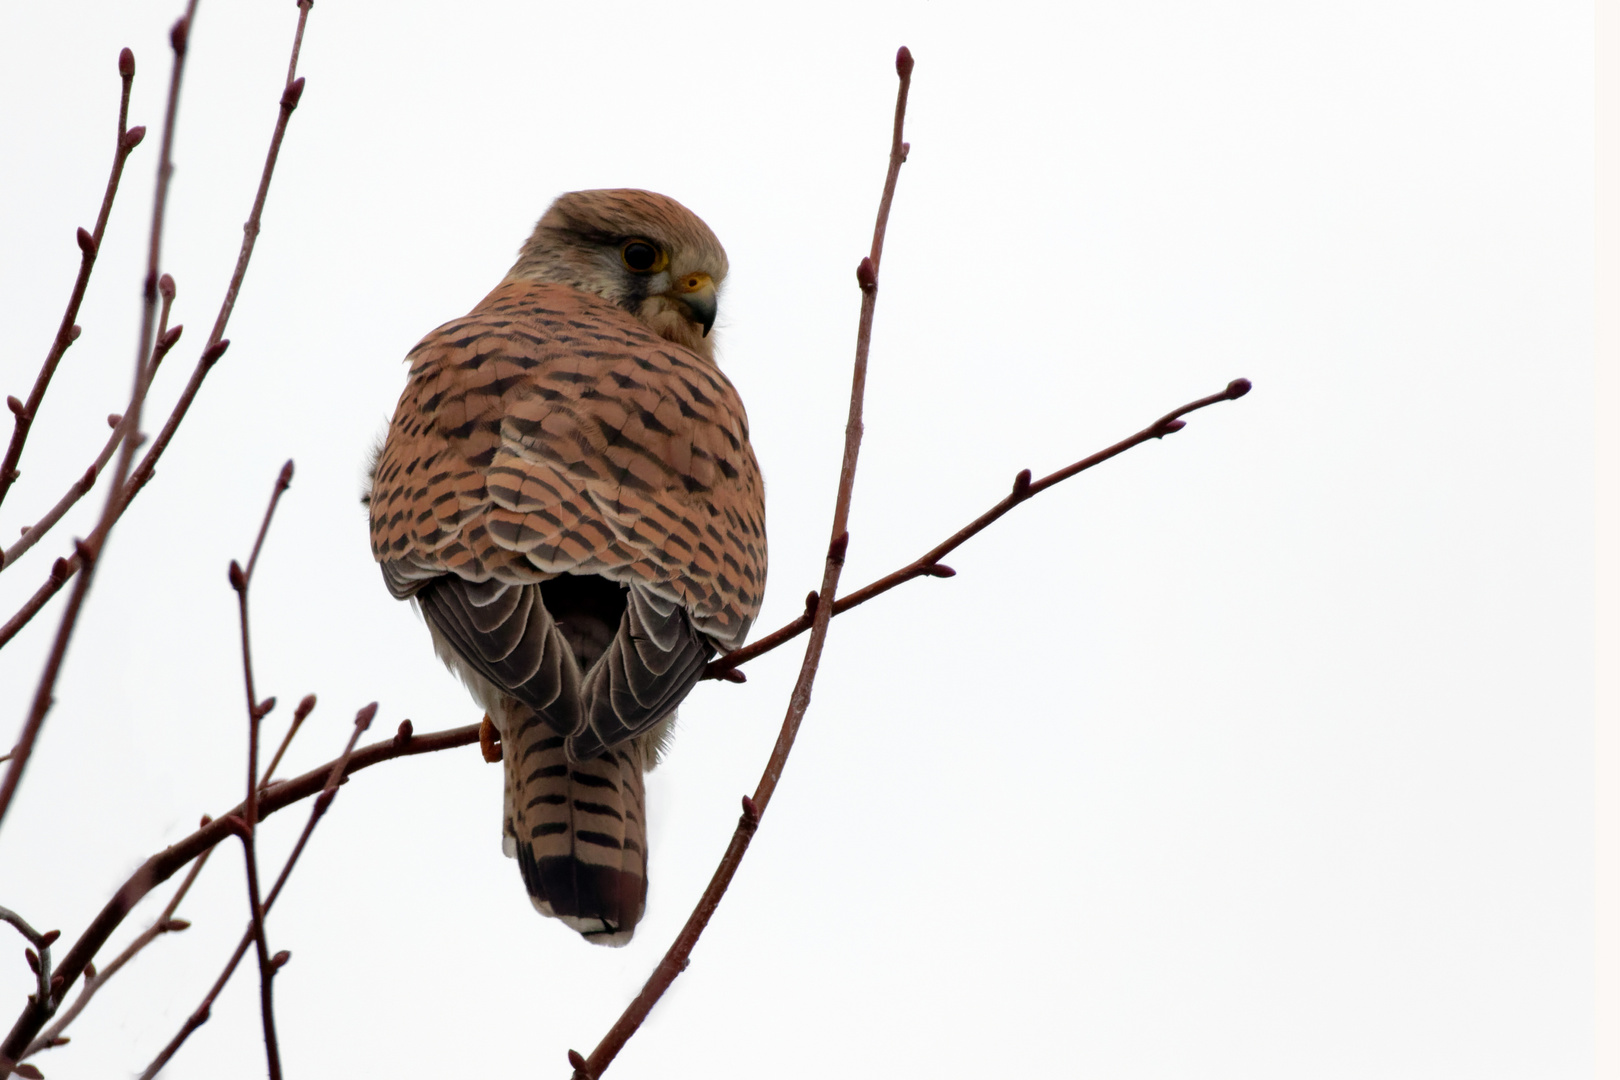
(568, 493)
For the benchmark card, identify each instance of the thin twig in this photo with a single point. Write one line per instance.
(675, 960)
(162, 866)
(199, 1015)
(121, 423)
(89, 245)
(122, 491)
(66, 568)
(40, 961)
(86, 551)
(165, 923)
(305, 707)
(929, 564)
(241, 581)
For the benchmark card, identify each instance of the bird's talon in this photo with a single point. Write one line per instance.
(489, 741)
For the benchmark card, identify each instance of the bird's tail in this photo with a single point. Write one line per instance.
(578, 830)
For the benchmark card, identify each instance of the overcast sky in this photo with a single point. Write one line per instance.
(1261, 752)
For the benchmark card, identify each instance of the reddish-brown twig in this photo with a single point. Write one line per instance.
(89, 246)
(94, 980)
(122, 491)
(241, 581)
(85, 551)
(929, 564)
(121, 423)
(305, 707)
(162, 866)
(675, 960)
(323, 801)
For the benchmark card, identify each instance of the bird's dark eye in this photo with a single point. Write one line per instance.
(642, 257)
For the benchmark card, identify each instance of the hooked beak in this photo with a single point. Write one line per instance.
(697, 294)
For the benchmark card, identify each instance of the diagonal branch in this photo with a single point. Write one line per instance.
(675, 960)
(64, 569)
(199, 1016)
(123, 490)
(94, 980)
(928, 565)
(89, 245)
(85, 551)
(121, 423)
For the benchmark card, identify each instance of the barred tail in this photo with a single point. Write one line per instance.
(578, 830)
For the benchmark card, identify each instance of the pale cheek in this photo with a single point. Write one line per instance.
(670, 323)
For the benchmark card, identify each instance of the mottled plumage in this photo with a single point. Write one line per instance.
(568, 492)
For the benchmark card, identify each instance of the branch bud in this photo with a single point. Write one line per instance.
(836, 549)
(305, 707)
(114, 419)
(1172, 427)
(172, 334)
(49, 937)
(74, 331)
(1021, 484)
(178, 34)
(33, 960)
(263, 708)
(750, 811)
(126, 63)
(1237, 388)
(284, 481)
(86, 550)
(578, 1063)
(865, 275)
(89, 971)
(237, 578)
(279, 961)
(207, 820)
(166, 286)
(16, 406)
(362, 719)
(940, 570)
(402, 737)
(733, 675)
(174, 926)
(133, 137)
(811, 599)
(903, 63)
(87, 243)
(290, 96)
(25, 1070)
(211, 355)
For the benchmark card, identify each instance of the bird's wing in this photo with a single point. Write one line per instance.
(547, 433)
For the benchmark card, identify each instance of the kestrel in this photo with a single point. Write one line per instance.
(568, 494)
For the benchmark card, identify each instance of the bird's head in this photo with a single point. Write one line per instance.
(642, 251)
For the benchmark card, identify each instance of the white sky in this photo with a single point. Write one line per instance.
(1261, 752)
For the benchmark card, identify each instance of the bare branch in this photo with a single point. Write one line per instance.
(199, 1015)
(162, 866)
(121, 423)
(241, 581)
(94, 980)
(40, 962)
(122, 491)
(722, 667)
(305, 707)
(675, 960)
(86, 551)
(89, 245)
